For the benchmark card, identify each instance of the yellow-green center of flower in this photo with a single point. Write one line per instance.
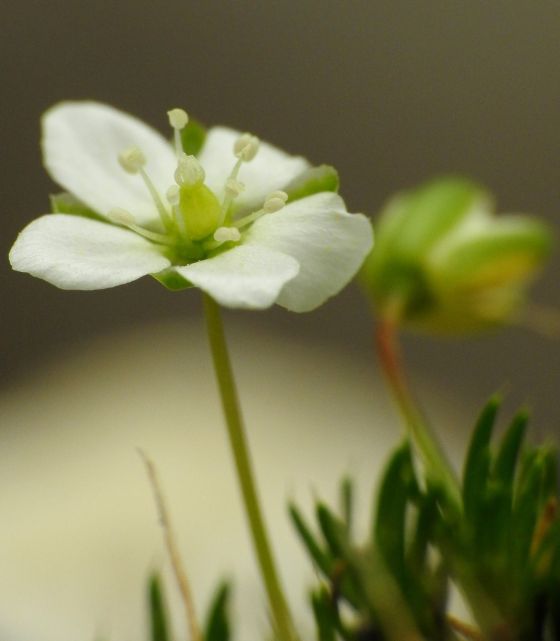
(195, 222)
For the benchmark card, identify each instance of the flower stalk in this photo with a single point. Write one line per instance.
(435, 460)
(240, 451)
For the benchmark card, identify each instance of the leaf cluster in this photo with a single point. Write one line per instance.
(501, 549)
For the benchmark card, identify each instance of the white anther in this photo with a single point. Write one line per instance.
(279, 194)
(121, 217)
(273, 205)
(132, 160)
(173, 195)
(234, 187)
(223, 234)
(246, 147)
(189, 171)
(178, 118)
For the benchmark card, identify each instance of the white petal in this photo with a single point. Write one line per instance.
(78, 253)
(328, 243)
(243, 277)
(271, 169)
(81, 143)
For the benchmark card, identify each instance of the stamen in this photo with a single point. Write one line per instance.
(126, 219)
(245, 147)
(272, 205)
(163, 214)
(173, 196)
(224, 234)
(178, 119)
(247, 220)
(121, 217)
(274, 202)
(234, 187)
(189, 171)
(279, 194)
(132, 160)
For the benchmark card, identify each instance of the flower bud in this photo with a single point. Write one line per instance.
(443, 262)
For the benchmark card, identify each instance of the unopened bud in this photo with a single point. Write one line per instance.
(443, 262)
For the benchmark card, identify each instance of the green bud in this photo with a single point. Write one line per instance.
(443, 262)
(200, 209)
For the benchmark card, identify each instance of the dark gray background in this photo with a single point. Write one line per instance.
(391, 92)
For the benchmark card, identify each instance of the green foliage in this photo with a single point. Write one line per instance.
(502, 550)
(158, 611)
(217, 626)
(388, 582)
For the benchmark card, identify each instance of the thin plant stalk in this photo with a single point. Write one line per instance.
(173, 550)
(435, 460)
(230, 404)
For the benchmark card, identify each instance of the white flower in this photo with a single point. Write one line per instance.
(224, 221)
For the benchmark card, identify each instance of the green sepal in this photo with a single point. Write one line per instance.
(313, 181)
(159, 625)
(217, 626)
(65, 203)
(172, 280)
(193, 137)
(507, 249)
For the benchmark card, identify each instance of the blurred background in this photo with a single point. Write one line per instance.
(390, 92)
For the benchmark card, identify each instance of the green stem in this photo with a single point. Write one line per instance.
(238, 442)
(437, 465)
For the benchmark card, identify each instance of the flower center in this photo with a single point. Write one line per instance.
(195, 222)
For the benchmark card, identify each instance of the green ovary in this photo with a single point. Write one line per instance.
(200, 209)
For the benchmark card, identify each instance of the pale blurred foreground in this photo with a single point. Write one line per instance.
(79, 530)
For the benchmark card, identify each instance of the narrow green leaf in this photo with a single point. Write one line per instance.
(347, 503)
(324, 618)
(217, 626)
(65, 203)
(477, 465)
(193, 137)
(423, 534)
(321, 559)
(389, 527)
(158, 611)
(333, 530)
(506, 459)
(312, 181)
